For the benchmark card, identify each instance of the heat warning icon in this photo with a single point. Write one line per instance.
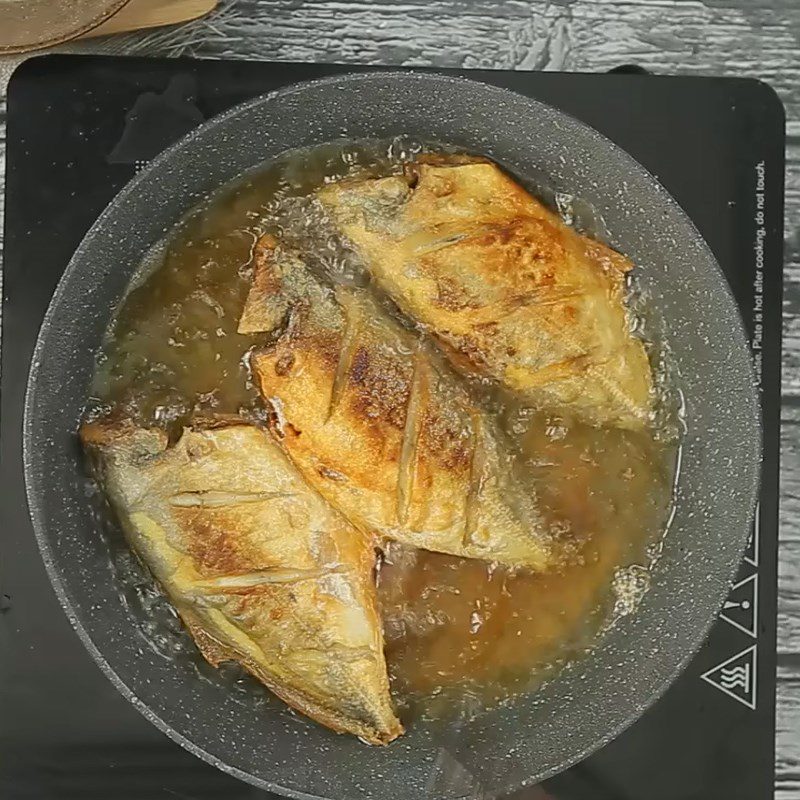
(736, 677)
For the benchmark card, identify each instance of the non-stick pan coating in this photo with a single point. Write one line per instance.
(592, 700)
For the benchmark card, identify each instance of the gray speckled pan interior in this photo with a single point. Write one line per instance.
(589, 702)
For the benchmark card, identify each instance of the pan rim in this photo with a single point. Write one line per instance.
(629, 163)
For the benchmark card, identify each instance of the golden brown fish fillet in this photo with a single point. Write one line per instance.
(258, 566)
(509, 291)
(392, 441)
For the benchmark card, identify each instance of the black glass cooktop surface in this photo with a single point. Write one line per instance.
(79, 127)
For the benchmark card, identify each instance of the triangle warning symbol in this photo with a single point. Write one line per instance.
(736, 677)
(751, 553)
(741, 607)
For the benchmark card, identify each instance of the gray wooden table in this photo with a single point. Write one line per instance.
(697, 37)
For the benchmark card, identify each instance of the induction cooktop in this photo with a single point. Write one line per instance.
(79, 127)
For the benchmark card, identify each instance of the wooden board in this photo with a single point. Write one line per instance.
(140, 14)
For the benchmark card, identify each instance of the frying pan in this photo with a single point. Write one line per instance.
(594, 698)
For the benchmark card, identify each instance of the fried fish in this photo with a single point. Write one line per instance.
(508, 290)
(386, 434)
(261, 570)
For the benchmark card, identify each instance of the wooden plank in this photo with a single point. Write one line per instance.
(791, 289)
(789, 547)
(787, 734)
(789, 601)
(790, 474)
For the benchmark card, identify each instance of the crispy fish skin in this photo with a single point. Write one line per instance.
(390, 440)
(507, 289)
(261, 570)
